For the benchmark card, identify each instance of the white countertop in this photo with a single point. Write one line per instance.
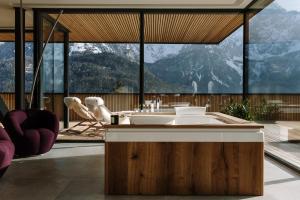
(183, 135)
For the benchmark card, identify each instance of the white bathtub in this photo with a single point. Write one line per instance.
(184, 128)
(173, 119)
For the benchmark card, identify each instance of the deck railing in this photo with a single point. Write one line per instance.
(289, 108)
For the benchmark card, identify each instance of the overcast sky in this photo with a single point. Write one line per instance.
(289, 4)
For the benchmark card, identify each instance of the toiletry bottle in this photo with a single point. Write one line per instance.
(152, 107)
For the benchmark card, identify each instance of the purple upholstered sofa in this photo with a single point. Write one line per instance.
(7, 150)
(32, 131)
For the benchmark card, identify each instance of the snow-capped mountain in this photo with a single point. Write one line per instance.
(125, 50)
(153, 52)
(274, 55)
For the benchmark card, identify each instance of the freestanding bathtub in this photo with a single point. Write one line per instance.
(212, 154)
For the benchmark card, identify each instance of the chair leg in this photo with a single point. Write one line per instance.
(97, 127)
(78, 124)
(91, 125)
(71, 129)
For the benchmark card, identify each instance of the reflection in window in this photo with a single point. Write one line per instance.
(274, 49)
(7, 66)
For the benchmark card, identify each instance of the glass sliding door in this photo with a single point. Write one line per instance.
(52, 69)
(274, 71)
(274, 52)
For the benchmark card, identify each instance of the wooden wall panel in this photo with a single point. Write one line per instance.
(184, 168)
(215, 102)
(119, 102)
(177, 177)
(10, 37)
(145, 159)
(9, 99)
(289, 109)
(120, 157)
(252, 168)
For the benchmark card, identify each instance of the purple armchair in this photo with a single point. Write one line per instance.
(32, 131)
(7, 150)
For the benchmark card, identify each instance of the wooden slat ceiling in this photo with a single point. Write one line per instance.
(190, 28)
(101, 27)
(10, 37)
(159, 28)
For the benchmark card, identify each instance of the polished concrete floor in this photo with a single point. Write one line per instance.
(76, 171)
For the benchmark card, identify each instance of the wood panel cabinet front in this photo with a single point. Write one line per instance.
(178, 168)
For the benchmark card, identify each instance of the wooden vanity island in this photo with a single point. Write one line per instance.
(177, 158)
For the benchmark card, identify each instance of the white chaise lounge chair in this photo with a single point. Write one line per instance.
(102, 113)
(89, 118)
(96, 106)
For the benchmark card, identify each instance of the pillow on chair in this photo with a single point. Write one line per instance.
(75, 104)
(96, 105)
(106, 113)
(93, 104)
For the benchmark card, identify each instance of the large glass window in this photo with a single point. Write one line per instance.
(28, 66)
(52, 68)
(104, 68)
(274, 49)
(193, 68)
(108, 70)
(53, 60)
(7, 66)
(274, 77)
(112, 70)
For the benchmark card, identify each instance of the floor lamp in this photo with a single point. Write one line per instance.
(41, 58)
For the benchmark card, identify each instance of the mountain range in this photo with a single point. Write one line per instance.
(274, 57)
